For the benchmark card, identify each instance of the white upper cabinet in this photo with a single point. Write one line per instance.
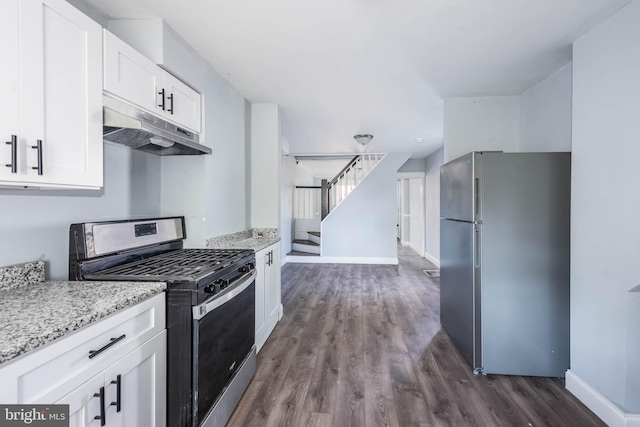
(183, 105)
(131, 76)
(53, 110)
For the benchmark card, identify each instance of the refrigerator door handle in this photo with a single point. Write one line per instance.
(476, 249)
(476, 195)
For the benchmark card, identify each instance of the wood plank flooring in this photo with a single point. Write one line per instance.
(361, 345)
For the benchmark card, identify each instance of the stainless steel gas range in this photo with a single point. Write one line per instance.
(211, 355)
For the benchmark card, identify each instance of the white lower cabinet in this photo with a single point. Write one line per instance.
(125, 351)
(128, 393)
(83, 405)
(268, 294)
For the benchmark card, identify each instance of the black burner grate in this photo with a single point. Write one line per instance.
(184, 264)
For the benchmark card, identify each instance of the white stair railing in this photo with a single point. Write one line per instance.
(349, 177)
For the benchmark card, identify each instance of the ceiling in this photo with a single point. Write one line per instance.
(342, 67)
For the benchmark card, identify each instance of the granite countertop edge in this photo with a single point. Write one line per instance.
(34, 315)
(255, 243)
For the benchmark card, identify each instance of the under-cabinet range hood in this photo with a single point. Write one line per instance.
(125, 124)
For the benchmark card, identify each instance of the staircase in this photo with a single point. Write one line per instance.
(311, 246)
(313, 204)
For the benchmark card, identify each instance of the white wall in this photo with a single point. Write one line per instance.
(34, 224)
(545, 114)
(605, 230)
(432, 209)
(364, 224)
(481, 123)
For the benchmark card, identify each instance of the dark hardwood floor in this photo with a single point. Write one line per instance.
(361, 345)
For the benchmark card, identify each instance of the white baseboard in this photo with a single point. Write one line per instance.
(340, 260)
(433, 259)
(404, 242)
(600, 405)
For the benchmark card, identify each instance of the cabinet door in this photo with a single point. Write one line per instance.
(60, 96)
(9, 85)
(142, 380)
(183, 104)
(84, 406)
(130, 75)
(72, 108)
(272, 287)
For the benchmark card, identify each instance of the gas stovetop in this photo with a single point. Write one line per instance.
(183, 265)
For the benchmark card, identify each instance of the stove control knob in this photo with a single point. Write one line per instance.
(211, 289)
(244, 269)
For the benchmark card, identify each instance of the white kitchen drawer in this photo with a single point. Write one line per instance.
(47, 374)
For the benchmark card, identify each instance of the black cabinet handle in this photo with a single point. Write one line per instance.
(163, 98)
(38, 147)
(14, 154)
(118, 401)
(94, 353)
(102, 417)
(170, 97)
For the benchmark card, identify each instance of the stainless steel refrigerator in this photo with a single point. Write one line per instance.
(504, 261)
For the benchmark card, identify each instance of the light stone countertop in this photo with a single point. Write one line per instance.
(255, 238)
(255, 243)
(35, 314)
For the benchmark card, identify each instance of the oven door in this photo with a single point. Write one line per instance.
(224, 334)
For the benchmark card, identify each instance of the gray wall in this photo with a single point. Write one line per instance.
(605, 230)
(412, 165)
(34, 224)
(364, 224)
(432, 210)
(545, 114)
(212, 191)
(481, 123)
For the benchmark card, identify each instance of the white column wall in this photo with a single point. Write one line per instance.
(605, 243)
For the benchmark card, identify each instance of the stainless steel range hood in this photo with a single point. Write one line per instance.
(125, 124)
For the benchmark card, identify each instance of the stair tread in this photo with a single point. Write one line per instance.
(314, 233)
(298, 253)
(305, 242)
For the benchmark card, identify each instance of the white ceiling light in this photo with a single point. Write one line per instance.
(363, 139)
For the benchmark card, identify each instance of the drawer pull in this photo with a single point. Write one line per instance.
(102, 417)
(118, 383)
(94, 353)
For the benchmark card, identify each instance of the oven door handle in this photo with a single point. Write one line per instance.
(199, 311)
